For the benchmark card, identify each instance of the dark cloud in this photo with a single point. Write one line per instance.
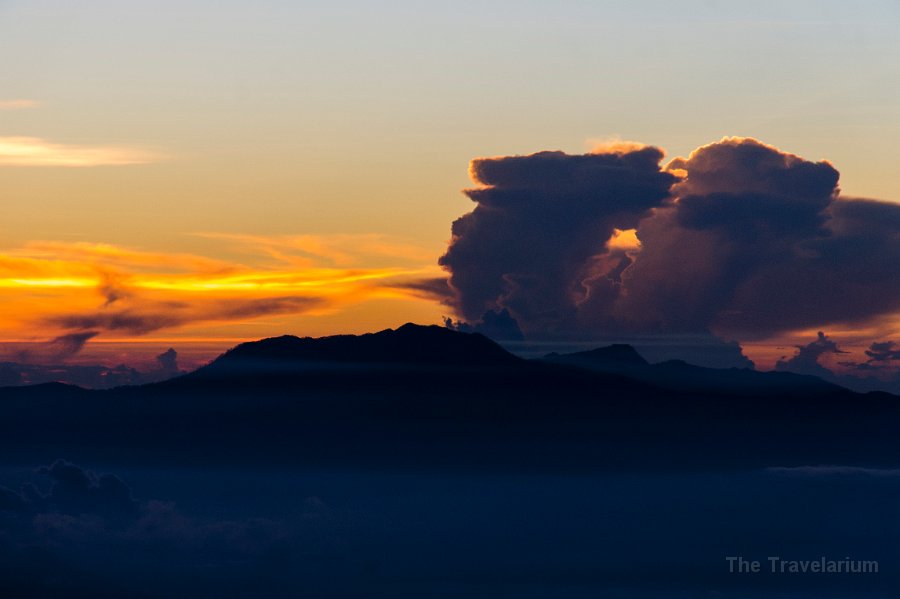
(242, 308)
(10, 374)
(139, 321)
(806, 359)
(86, 536)
(739, 240)
(46, 362)
(92, 376)
(79, 491)
(886, 351)
(57, 349)
(881, 356)
(746, 215)
(168, 361)
(136, 323)
(435, 288)
(498, 325)
(540, 222)
(747, 166)
(104, 504)
(112, 289)
(69, 345)
(73, 491)
(874, 374)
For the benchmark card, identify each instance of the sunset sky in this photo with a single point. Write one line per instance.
(197, 173)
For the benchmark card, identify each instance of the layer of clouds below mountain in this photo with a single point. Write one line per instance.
(14, 374)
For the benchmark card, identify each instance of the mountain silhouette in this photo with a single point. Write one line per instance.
(611, 358)
(429, 397)
(625, 360)
(409, 344)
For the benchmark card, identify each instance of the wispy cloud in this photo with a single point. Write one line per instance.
(58, 289)
(153, 316)
(19, 104)
(114, 255)
(336, 249)
(34, 151)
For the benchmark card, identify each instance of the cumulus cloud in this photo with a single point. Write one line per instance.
(540, 225)
(88, 536)
(497, 325)
(738, 240)
(806, 359)
(876, 373)
(745, 216)
(885, 351)
(168, 361)
(73, 491)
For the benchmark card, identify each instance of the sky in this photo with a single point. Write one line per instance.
(197, 173)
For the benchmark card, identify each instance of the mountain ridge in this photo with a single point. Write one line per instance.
(408, 344)
(437, 397)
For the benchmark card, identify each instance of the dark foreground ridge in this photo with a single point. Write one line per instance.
(431, 397)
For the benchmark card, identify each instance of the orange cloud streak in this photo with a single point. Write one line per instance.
(53, 288)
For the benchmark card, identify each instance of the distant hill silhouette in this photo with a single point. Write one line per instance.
(625, 360)
(611, 356)
(619, 358)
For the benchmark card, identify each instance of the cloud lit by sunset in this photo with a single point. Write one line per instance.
(495, 298)
(33, 151)
(213, 190)
(55, 288)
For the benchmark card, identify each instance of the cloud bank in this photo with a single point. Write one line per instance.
(739, 240)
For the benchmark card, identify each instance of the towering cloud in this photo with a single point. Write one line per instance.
(168, 361)
(806, 359)
(738, 239)
(746, 216)
(540, 228)
(758, 242)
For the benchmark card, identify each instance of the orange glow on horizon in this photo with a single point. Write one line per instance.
(55, 288)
